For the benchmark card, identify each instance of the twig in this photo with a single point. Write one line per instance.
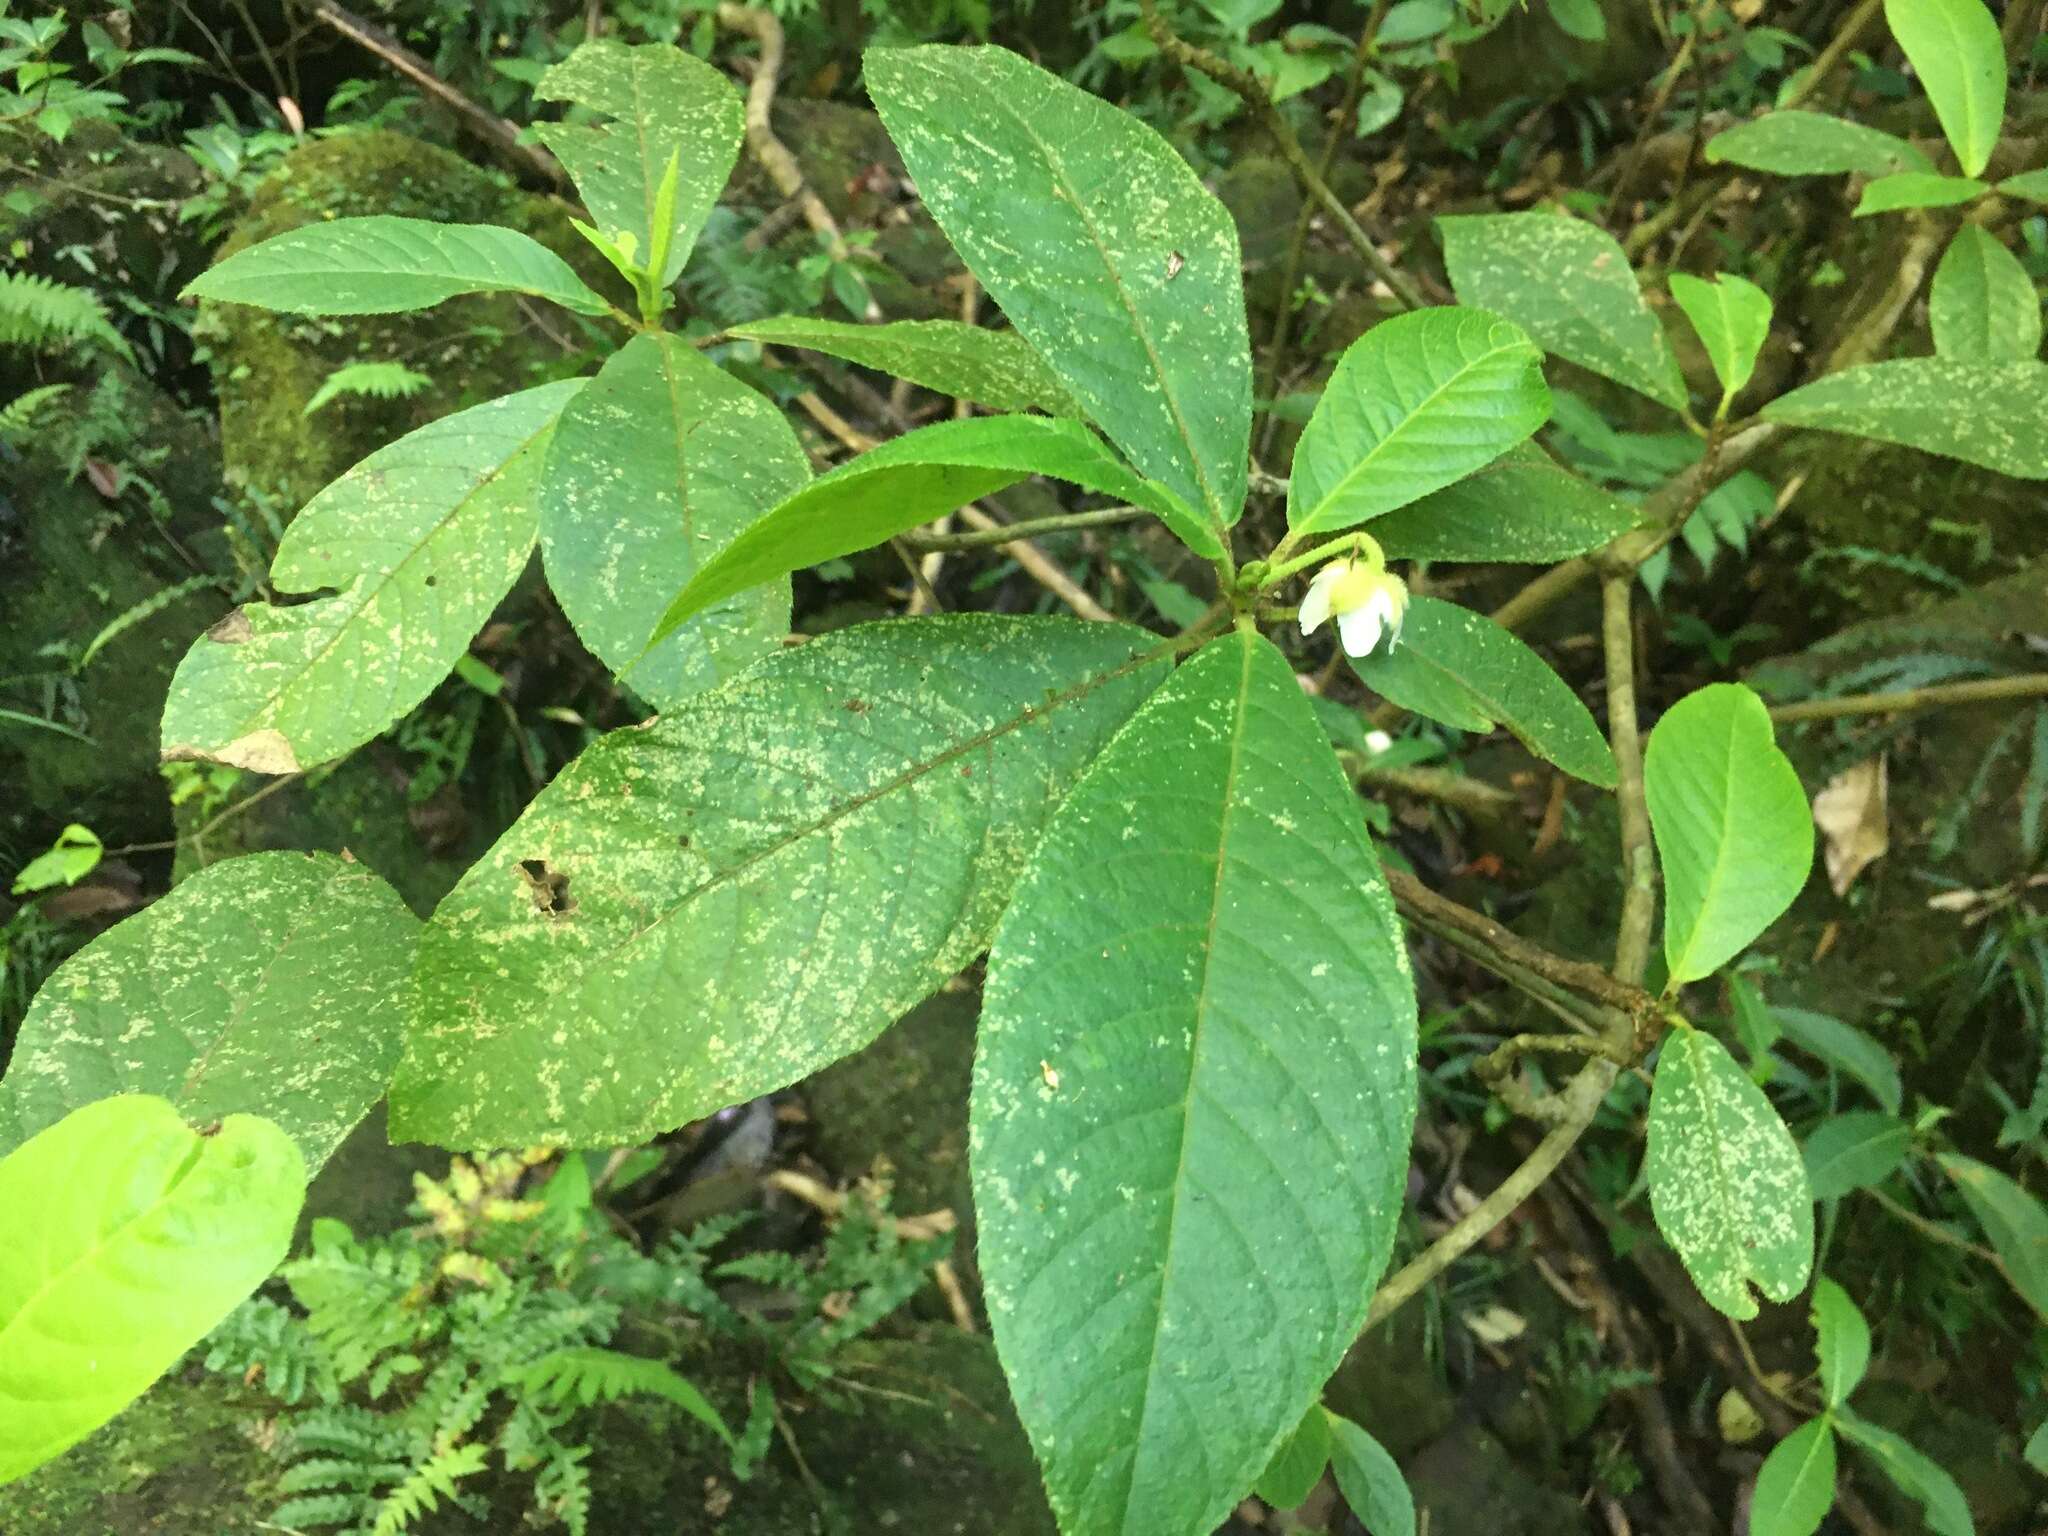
(2026, 685)
(1252, 91)
(493, 129)
(1658, 102)
(1040, 567)
(770, 152)
(1837, 49)
(1639, 865)
(1009, 532)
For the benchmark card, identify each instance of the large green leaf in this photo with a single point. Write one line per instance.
(911, 480)
(1847, 1049)
(1568, 284)
(1854, 1151)
(1192, 1101)
(705, 909)
(1101, 246)
(145, 1234)
(2014, 1220)
(655, 468)
(1842, 1341)
(1983, 306)
(662, 105)
(375, 265)
(1370, 1481)
(1732, 316)
(1523, 506)
(1795, 1487)
(1941, 1502)
(1916, 189)
(1733, 832)
(996, 369)
(265, 985)
(420, 541)
(1460, 667)
(1726, 1183)
(1415, 403)
(1955, 49)
(1814, 144)
(1995, 415)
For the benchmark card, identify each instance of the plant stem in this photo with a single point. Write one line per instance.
(1639, 868)
(1007, 533)
(2026, 685)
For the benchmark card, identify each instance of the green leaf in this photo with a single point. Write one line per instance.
(378, 265)
(147, 1234)
(1370, 1481)
(1733, 833)
(1847, 1049)
(1524, 506)
(2032, 185)
(1916, 189)
(1732, 316)
(1814, 144)
(996, 369)
(1955, 49)
(421, 540)
(1582, 19)
(75, 854)
(1843, 1341)
(1415, 403)
(1995, 415)
(1854, 1151)
(1291, 1476)
(1984, 308)
(2036, 1451)
(663, 106)
(1726, 1183)
(1193, 1094)
(1460, 667)
(706, 908)
(263, 985)
(910, 480)
(1568, 284)
(655, 468)
(1941, 1502)
(2014, 1221)
(1795, 1487)
(1129, 284)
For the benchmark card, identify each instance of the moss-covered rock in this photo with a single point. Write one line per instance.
(268, 367)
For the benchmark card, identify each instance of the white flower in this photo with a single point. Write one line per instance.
(1377, 742)
(1366, 601)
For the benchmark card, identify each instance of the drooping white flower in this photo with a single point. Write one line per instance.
(1365, 600)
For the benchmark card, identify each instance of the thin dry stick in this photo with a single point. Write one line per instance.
(2026, 685)
(501, 135)
(770, 152)
(932, 1224)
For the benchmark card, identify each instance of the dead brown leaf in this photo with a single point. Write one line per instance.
(1850, 815)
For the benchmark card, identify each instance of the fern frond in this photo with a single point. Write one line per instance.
(430, 1483)
(377, 381)
(589, 1375)
(18, 416)
(320, 1509)
(54, 317)
(562, 1488)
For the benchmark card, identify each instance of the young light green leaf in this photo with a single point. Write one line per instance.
(1813, 144)
(264, 985)
(379, 264)
(147, 1234)
(1415, 403)
(706, 908)
(1568, 284)
(1995, 415)
(2031, 185)
(2036, 1450)
(1733, 832)
(1460, 667)
(1291, 1476)
(996, 369)
(1726, 1183)
(1190, 1120)
(663, 107)
(1847, 1049)
(1983, 306)
(1795, 1487)
(1130, 284)
(654, 469)
(1370, 1481)
(422, 539)
(1854, 1151)
(1916, 189)
(1842, 1341)
(2014, 1220)
(1732, 316)
(1955, 49)
(911, 480)
(1941, 1502)
(1524, 506)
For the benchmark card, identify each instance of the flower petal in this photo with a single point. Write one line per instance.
(1360, 629)
(1315, 606)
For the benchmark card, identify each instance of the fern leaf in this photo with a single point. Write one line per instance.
(377, 381)
(589, 1375)
(430, 1483)
(18, 418)
(54, 317)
